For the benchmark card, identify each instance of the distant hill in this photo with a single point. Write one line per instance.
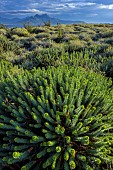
(35, 20)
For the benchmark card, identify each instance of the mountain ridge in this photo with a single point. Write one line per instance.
(35, 20)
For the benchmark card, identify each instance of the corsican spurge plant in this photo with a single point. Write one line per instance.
(58, 118)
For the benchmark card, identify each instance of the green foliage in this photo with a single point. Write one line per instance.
(37, 30)
(60, 32)
(59, 118)
(42, 35)
(3, 26)
(48, 23)
(6, 45)
(53, 46)
(2, 31)
(107, 67)
(60, 35)
(57, 56)
(28, 27)
(7, 68)
(20, 32)
(56, 118)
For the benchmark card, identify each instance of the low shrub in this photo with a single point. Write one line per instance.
(109, 41)
(56, 119)
(107, 67)
(3, 32)
(42, 35)
(7, 45)
(7, 68)
(37, 30)
(20, 32)
(75, 45)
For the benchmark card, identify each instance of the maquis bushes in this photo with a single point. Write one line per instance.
(58, 118)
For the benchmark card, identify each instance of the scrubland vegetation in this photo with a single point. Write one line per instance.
(56, 97)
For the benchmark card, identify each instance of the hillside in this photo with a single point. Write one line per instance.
(56, 97)
(95, 39)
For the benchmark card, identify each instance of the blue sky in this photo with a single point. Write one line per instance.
(85, 10)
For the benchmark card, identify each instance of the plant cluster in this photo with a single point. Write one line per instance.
(56, 119)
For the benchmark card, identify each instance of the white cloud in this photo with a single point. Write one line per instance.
(103, 6)
(23, 11)
(69, 4)
(92, 15)
(73, 5)
(82, 4)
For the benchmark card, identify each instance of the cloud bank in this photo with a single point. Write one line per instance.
(85, 10)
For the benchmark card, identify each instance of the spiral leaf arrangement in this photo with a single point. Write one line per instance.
(58, 118)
